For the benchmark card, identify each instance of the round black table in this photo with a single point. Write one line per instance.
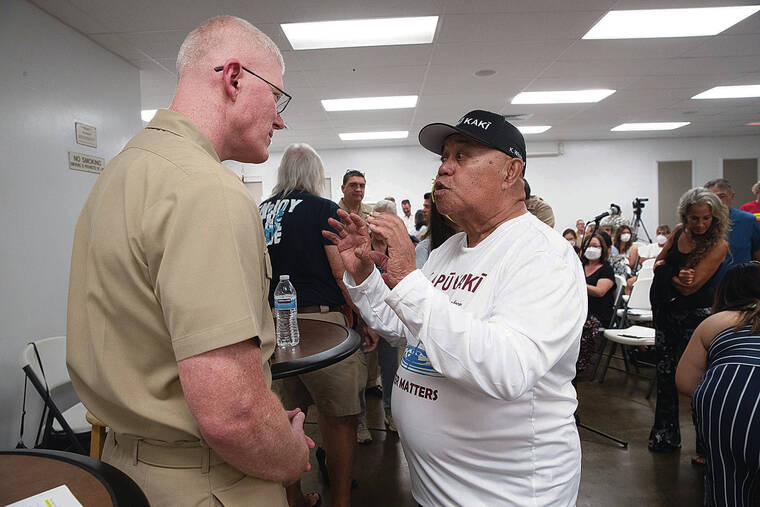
(322, 344)
(28, 472)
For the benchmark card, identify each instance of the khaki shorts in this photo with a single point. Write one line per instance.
(333, 389)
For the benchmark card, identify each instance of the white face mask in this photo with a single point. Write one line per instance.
(660, 239)
(571, 241)
(625, 237)
(593, 253)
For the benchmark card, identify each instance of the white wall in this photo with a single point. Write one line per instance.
(51, 77)
(581, 183)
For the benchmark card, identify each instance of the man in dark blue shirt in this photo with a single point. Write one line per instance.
(744, 237)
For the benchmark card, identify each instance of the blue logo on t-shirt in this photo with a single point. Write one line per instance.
(416, 361)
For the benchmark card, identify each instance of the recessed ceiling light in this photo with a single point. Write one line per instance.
(652, 23)
(730, 92)
(485, 73)
(147, 114)
(363, 136)
(753, 124)
(562, 97)
(368, 103)
(624, 127)
(361, 32)
(533, 129)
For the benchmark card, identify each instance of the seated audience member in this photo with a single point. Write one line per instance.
(580, 230)
(614, 220)
(293, 220)
(753, 206)
(682, 294)
(606, 232)
(600, 281)
(538, 207)
(720, 370)
(483, 398)
(572, 238)
(441, 229)
(652, 250)
(628, 254)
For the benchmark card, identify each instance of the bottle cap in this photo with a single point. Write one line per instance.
(284, 277)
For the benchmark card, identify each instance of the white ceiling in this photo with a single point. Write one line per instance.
(533, 45)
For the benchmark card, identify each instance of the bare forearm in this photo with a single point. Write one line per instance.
(261, 444)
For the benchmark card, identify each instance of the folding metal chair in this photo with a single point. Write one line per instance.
(44, 364)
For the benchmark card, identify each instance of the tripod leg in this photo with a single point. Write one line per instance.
(622, 443)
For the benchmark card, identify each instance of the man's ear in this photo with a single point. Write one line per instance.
(230, 77)
(514, 170)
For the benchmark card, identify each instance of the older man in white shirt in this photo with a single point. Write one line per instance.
(483, 398)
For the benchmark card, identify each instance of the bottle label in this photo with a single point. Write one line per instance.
(284, 303)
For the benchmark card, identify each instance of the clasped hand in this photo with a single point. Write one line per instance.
(353, 242)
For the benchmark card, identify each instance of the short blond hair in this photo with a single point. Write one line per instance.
(756, 187)
(212, 33)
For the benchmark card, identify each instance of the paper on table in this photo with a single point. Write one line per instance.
(56, 497)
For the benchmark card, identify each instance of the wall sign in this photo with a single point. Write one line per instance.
(87, 135)
(87, 163)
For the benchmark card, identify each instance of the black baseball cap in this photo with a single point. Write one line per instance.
(490, 129)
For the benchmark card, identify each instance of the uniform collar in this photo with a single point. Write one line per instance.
(177, 124)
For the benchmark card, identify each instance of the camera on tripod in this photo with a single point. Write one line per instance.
(638, 203)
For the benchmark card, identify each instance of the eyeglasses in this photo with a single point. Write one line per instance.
(281, 98)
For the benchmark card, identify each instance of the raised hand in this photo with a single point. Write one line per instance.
(352, 240)
(392, 230)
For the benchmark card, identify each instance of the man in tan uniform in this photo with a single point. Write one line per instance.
(169, 327)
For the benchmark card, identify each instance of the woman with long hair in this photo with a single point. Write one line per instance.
(623, 241)
(600, 280)
(682, 294)
(720, 370)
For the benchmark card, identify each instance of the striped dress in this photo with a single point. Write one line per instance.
(726, 409)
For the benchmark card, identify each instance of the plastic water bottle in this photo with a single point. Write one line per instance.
(286, 313)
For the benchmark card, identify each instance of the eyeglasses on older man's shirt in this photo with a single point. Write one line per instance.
(281, 98)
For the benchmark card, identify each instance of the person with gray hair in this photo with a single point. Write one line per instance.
(753, 206)
(385, 206)
(293, 218)
(682, 295)
(169, 330)
(744, 236)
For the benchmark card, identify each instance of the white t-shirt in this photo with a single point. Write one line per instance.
(409, 223)
(483, 398)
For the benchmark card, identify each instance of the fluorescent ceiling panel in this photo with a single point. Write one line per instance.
(368, 103)
(147, 114)
(730, 92)
(562, 97)
(361, 32)
(533, 129)
(654, 23)
(363, 136)
(638, 127)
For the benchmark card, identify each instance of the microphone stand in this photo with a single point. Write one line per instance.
(584, 245)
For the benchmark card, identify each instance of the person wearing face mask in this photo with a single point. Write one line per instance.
(572, 238)
(682, 294)
(625, 262)
(600, 279)
(652, 250)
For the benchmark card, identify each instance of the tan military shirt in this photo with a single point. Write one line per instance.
(364, 210)
(168, 262)
(540, 209)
